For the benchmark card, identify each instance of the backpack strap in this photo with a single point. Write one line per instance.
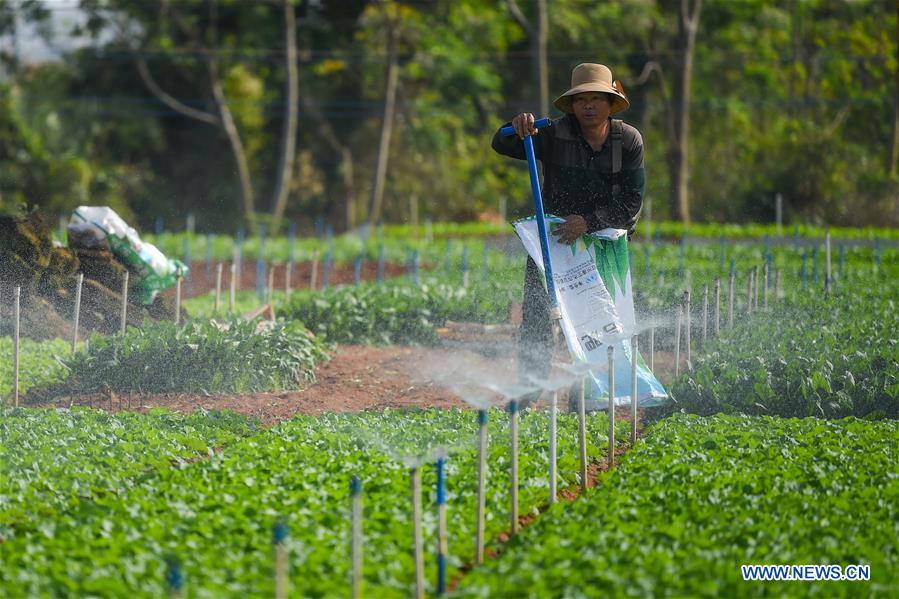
(615, 133)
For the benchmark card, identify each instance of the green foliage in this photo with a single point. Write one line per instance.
(216, 515)
(397, 312)
(830, 357)
(701, 496)
(40, 364)
(199, 356)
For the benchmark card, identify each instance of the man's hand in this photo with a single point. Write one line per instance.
(524, 125)
(573, 227)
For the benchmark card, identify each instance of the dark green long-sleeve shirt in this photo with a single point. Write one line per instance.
(578, 179)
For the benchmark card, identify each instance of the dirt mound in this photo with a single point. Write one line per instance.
(47, 273)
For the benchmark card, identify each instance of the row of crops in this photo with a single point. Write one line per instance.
(699, 496)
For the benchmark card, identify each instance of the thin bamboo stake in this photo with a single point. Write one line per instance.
(178, 301)
(218, 288)
(17, 297)
(634, 396)
(717, 306)
(482, 486)
(124, 304)
(233, 289)
(688, 325)
(757, 282)
(553, 415)
(730, 300)
(313, 281)
(79, 281)
(705, 314)
(582, 432)
(611, 352)
(356, 541)
(677, 342)
(417, 536)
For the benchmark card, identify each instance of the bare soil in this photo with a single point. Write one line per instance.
(357, 377)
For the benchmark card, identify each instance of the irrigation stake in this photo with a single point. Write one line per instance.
(688, 317)
(677, 342)
(79, 280)
(174, 578)
(233, 290)
(749, 282)
(513, 466)
(17, 297)
(611, 351)
(271, 292)
(314, 276)
(765, 294)
(705, 314)
(124, 304)
(417, 542)
(553, 408)
(178, 301)
(582, 433)
(482, 485)
(279, 535)
(441, 526)
(288, 270)
(218, 287)
(757, 282)
(633, 390)
(730, 300)
(827, 275)
(356, 542)
(717, 306)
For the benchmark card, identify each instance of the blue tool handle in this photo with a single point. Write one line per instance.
(537, 125)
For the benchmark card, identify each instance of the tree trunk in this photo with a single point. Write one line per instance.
(289, 133)
(233, 135)
(377, 188)
(679, 143)
(538, 43)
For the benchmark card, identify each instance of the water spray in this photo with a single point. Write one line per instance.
(442, 549)
(611, 352)
(79, 281)
(356, 540)
(279, 536)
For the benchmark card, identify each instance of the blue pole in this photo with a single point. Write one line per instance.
(815, 266)
(485, 267)
(465, 264)
(538, 208)
(804, 272)
(357, 269)
(174, 577)
(381, 263)
(441, 527)
(449, 255)
(326, 271)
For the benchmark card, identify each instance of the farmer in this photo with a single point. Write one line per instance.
(592, 176)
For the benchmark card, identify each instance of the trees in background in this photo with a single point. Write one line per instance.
(368, 110)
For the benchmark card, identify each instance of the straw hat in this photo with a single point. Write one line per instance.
(590, 77)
